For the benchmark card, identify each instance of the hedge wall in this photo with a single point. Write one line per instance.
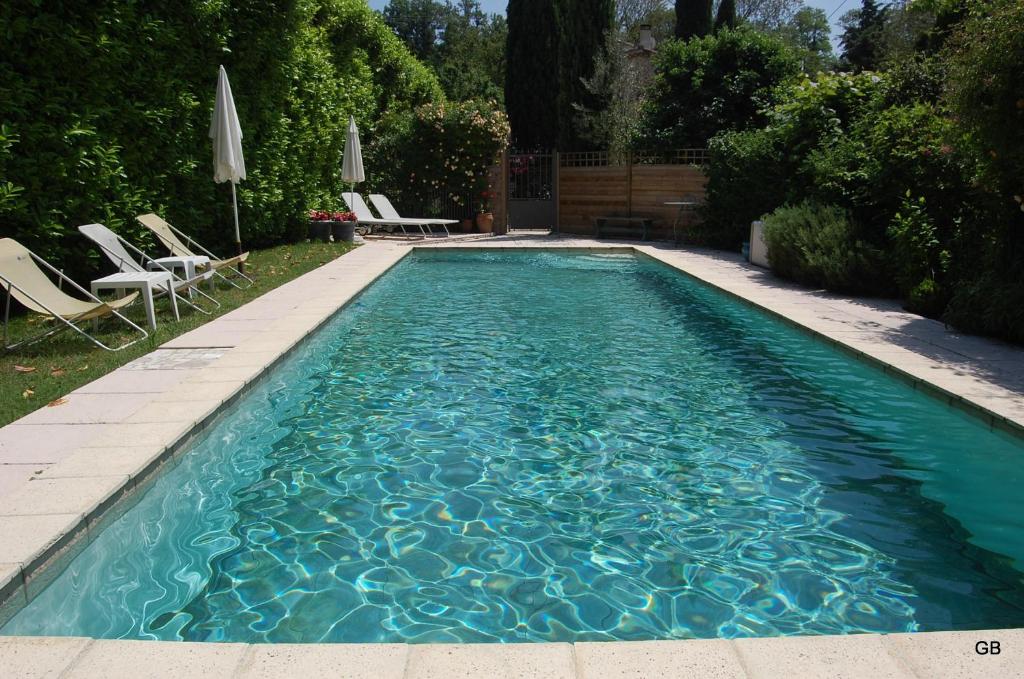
(105, 108)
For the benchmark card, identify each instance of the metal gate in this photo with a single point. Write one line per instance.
(532, 191)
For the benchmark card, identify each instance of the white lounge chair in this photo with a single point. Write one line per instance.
(171, 238)
(388, 211)
(25, 281)
(357, 205)
(117, 251)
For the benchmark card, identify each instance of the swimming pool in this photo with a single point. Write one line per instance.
(540, 446)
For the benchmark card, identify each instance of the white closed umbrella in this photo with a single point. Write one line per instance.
(226, 133)
(352, 161)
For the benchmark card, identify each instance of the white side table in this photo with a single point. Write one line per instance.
(187, 264)
(684, 206)
(144, 282)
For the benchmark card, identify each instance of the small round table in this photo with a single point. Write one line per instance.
(684, 206)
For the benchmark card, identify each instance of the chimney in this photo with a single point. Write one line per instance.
(647, 41)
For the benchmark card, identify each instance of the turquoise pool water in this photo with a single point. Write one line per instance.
(550, 447)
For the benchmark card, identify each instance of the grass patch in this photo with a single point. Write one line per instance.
(63, 363)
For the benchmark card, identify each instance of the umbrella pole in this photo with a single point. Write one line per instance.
(238, 235)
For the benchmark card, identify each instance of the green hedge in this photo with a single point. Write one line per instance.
(105, 109)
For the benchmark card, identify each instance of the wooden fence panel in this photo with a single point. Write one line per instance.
(640, 190)
(588, 192)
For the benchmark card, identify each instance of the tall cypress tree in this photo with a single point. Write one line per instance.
(693, 18)
(583, 26)
(726, 17)
(532, 73)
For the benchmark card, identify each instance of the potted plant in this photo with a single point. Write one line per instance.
(323, 225)
(319, 226)
(343, 226)
(485, 218)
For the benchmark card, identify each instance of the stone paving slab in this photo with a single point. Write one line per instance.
(84, 408)
(712, 659)
(39, 657)
(498, 661)
(43, 443)
(154, 660)
(324, 661)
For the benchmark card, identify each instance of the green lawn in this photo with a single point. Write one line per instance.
(34, 375)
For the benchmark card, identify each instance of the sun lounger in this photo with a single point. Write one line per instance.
(388, 211)
(357, 205)
(171, 238)
(117, 251)
(24, 280)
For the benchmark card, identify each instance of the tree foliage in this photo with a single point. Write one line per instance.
(808, 33)
(767, 15)
(693, 18)
(863, 36)
(532, 74)
(726, 15)
(115, 121)
(463, 45)
(706, 85)
(583, 28)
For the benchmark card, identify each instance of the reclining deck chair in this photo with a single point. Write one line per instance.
(171, 238)
(117, 251)
(357, 205)
(388, 211)
(25, 281)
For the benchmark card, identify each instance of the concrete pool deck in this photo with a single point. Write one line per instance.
(62, 468)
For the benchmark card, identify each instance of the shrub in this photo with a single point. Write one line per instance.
(816, 245)
(917, 258)
(767, 167)
(712, 84)
(746, 180)
(115, 122)
(449, 149)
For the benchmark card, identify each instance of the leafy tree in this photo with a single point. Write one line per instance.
(768, 15)
(693, 18)
(808, 33)
(631, 14)
(464, 46)
(862, 36)
(418, 23)
(719, 82)
(726, 16)
(907, 25)
(470, 59)
(532, 74)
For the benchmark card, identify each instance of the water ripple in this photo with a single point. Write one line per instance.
(549, 447)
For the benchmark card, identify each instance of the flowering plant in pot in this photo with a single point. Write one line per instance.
(324, 224)
(485, 218)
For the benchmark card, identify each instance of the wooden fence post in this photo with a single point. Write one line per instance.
(557, 189)
(629, 183)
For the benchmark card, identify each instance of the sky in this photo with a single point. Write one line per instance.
(498, 7)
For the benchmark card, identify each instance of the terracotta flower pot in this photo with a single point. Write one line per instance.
(466, 226)
(485, 222)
